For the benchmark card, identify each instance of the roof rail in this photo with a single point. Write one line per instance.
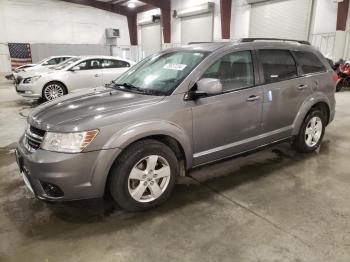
(247, 40)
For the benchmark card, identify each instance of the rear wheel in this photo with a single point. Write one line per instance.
(311, 132)
(53, 90)
(144, 175)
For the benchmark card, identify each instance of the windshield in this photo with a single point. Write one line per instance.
(161, 73)
(66, 63)
(44, 60)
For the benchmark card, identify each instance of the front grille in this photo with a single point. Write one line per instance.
(34, 138)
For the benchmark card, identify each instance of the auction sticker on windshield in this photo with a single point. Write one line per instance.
(178, 67)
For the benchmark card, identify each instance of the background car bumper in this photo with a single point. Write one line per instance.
(27, 90)
(62, 176)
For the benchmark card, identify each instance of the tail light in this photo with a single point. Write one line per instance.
(335, 77)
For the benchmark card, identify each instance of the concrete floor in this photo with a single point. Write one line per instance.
(275, 205)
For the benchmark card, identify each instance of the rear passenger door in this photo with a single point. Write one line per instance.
(283, 90)
(313, 72)
(113, 68)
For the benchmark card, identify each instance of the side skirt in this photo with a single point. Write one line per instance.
(245, 153)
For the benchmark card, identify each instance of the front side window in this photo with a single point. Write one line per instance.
(53, 61)
(161, 73)
(66, 63)
(309, 62)
(89, 64)
(64, 59)
(278, 65)
(234, 70)
(109, 63)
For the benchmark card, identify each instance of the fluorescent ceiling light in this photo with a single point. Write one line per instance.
(131, 5)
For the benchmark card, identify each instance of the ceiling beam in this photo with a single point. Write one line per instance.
(107, 6)
(158, 3)
(113, 6)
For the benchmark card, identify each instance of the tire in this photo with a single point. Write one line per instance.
(130, 183)
(314, 124)
(53, 90)
(339, 87)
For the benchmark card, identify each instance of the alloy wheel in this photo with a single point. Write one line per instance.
(53, 91)
(149, 178)
(313, 131)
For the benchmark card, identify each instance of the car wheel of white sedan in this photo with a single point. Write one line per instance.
(53, 90)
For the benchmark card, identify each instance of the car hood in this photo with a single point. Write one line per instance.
(87, 109)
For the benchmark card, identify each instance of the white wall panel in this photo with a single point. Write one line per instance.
(52, 21)
(281, 19)
(325, 16)
(4, 59)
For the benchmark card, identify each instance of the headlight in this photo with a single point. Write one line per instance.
(29, 80)
(68, 142)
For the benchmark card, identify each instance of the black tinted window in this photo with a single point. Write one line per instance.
(309, 62)
(234, 70)
(278, 65)
(107, 63)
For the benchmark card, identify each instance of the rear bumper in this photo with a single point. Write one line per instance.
(77, 176)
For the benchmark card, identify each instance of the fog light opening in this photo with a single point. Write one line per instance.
(51, 189)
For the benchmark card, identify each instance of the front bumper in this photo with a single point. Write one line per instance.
(28, 90)
(77, 176)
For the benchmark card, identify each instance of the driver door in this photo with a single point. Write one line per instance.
(228, 123)
(88, 74)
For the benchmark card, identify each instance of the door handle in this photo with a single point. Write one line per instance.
(302, 87)
(97, 75)
(253, 98)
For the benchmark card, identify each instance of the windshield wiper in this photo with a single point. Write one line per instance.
(127, 87)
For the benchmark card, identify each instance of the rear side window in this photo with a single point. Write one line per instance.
(278, 65)
(107, 63)
(309, 62)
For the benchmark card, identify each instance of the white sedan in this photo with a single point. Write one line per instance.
(75, 73)
(20, 72)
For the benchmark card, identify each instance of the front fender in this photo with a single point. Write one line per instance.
(134, 132)
(305, 108)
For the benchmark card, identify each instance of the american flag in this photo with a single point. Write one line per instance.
(20, 54)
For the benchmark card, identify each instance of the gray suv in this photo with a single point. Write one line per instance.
(177, 109)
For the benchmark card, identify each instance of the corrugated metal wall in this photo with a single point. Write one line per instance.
(41, 51)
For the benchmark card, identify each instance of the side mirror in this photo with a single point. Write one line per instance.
(75, 68)
(205, 87)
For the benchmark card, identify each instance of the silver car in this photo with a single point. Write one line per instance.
(176, 110)
(73, 74)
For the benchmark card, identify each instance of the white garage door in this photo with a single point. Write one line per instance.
(197, 28)
(150, 39)
(281, 19)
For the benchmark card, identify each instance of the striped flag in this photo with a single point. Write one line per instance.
(20, 54)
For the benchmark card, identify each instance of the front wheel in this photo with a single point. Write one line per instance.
(53, 90)
(311, 132)
(144, 175)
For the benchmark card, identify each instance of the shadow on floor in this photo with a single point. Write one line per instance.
(36, 218)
